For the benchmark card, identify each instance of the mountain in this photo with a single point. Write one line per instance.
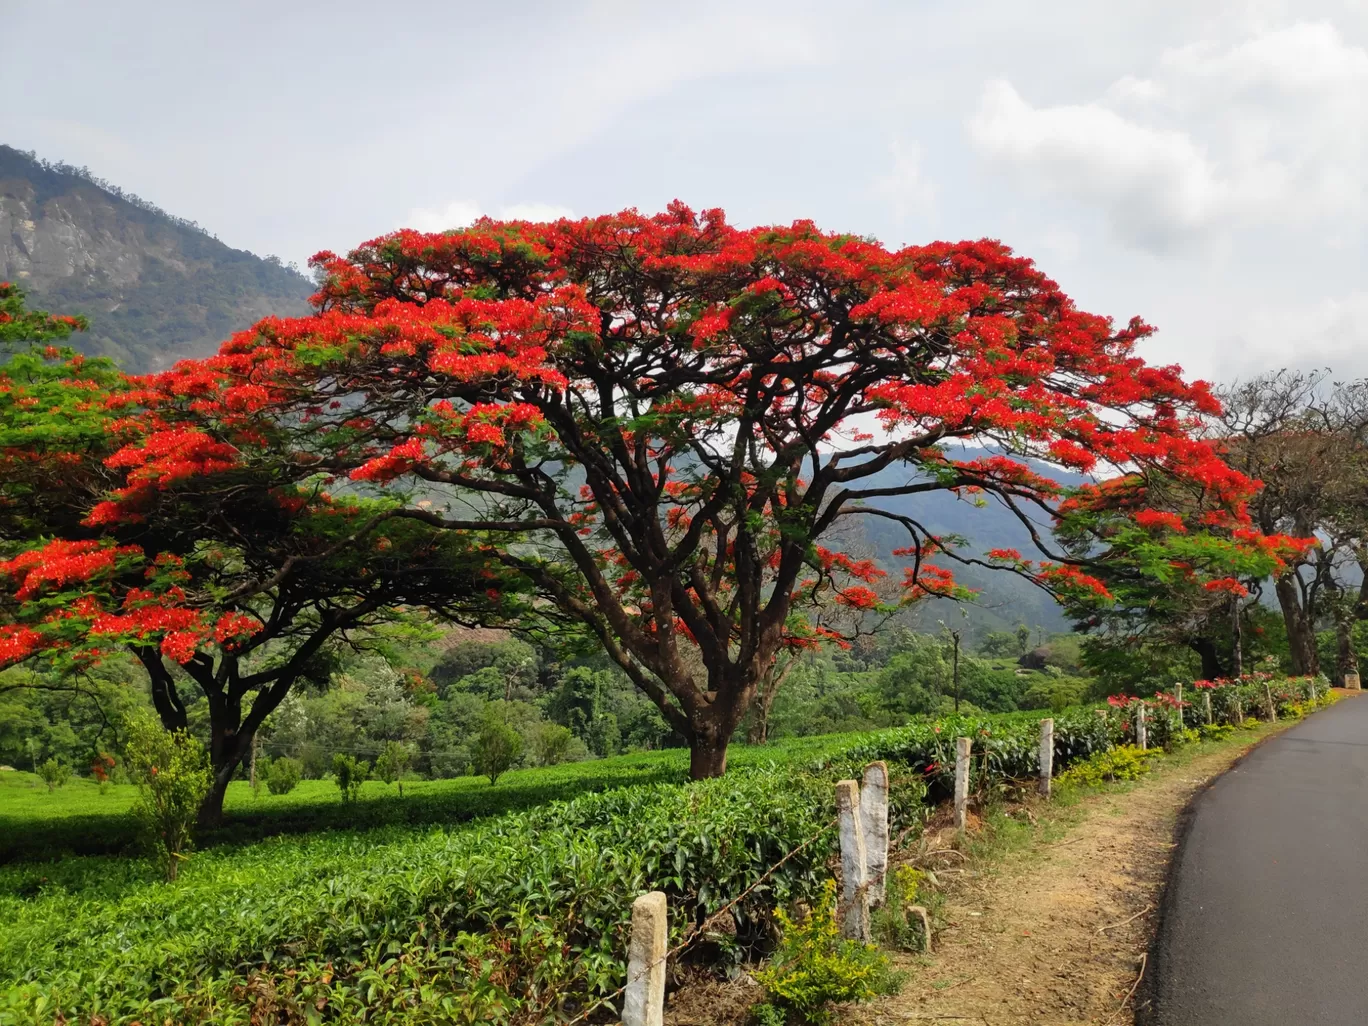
(156, 288)
(1003, 599)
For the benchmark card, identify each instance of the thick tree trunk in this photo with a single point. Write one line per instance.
(758, 732)
(707, 757)
(1210, 656)
(1236, 639)
(224, 765)
(711, 732)
(1346, 659)
(1301, 634)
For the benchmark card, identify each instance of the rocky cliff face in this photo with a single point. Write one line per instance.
(156, 289)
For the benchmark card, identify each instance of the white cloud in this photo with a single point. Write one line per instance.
(459, 213)
(1269, 130)
(1147, 179)
(1329, 332)
(906, 185)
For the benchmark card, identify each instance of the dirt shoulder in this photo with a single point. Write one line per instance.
(1049, 918)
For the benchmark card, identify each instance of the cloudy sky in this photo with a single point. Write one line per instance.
(1199, 163)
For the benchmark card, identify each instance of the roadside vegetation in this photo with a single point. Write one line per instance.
(515, 915)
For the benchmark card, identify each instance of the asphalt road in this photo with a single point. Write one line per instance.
(1266, 916)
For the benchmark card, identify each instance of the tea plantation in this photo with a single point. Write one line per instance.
(433, 908)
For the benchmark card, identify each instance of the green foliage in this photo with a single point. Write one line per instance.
(349, 773)
(814, 967)
(891, 923)
(1125, 762)
(1215, 731)
(393, 761)
(172, 772)
(549, 743)
(532, 907)
(55, 774)
(21, 327)
(282, 776)
(496, 747)
(532, 917)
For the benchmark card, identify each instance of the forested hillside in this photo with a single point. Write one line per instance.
(156, 288)
(1002, 600)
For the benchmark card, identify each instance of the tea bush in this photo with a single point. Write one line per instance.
(54, 774)
(349, 773)
(173, 776)
(528, 911)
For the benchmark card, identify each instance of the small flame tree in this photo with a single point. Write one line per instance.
(125, 525)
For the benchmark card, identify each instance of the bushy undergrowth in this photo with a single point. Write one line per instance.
(1124, 762)
(814, 967)
(527, 911)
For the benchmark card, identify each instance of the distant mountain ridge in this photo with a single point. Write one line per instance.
(157, 288)
(1003, 598)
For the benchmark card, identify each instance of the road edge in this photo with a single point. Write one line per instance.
(1143, 1001)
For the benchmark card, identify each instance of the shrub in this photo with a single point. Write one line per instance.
(393, 762)
(550, 743)
(54, 774)
(890, 922)
(283, 774)
(172, 772)
(350, 773)
(102, 767)
(1215, 731)
(496, 747)
(1125, 762)
(814, 967)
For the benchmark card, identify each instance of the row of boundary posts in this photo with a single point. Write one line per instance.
(862, 821)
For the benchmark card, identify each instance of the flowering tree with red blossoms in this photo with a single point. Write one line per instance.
(1172, 561)
(232, 568)
(654, 421)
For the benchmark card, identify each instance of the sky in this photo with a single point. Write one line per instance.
(1199, 163)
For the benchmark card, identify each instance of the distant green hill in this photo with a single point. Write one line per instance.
(1003, 599)
(156, 288)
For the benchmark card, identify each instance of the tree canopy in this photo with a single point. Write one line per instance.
(237, 577)
(654, 422)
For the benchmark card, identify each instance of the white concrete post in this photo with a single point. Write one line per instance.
(874, 823)
(1206, 706)
(1141, 735)
(1046, 755)
(1272, 707)
(1352, 682)
(962, 746)
(1178, 691)
(854, 874)
(1239, 709)
(643, 1004)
